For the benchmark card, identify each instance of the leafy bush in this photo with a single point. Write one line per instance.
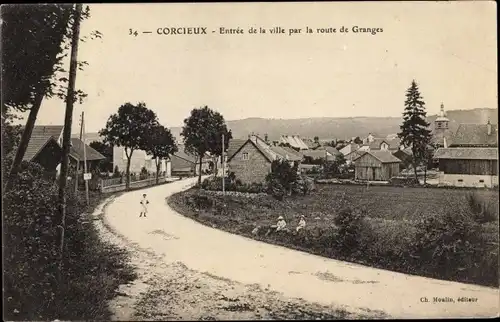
(350, 225)
(282, 178)
(482, 210)
(451, 245)
(31, 288)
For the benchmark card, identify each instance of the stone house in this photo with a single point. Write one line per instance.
(251, 162)
(139, 160)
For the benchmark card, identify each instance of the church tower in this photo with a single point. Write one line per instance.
(441, 122)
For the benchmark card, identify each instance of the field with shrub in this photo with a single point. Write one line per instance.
(450, 234)
(92, 269)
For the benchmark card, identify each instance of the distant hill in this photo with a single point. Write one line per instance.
(342, 128)
(338, 128)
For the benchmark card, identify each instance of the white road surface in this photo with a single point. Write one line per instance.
(293, 273)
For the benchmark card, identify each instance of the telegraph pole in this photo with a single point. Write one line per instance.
(68, 118)
(223, 168)
(85, 163)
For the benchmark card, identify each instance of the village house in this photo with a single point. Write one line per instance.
(140, 159)
(350, 157)
(378, 165)
(251, 162)
(45, 148)
(471, 160)
(381, 144)
(187, 164)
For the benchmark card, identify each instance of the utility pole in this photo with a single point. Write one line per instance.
(223, 168)
(78, 163)
(68, 118)
(85, 163)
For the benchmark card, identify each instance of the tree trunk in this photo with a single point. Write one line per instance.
(199, 173)
(127, 172)
(25, 138)
(216, 168)
(68, 119)
(425, 172)
(158, 163)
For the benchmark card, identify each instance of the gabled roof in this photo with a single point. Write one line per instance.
(375, 144)
(266, 154)
(382, 155)
(39, 138)
(234, 145)
(292, 151)
(76, 151)
(475, 135)
(467, 153)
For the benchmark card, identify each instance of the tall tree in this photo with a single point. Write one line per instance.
(130, 128)
(161, 145)
(202, 132)
(415, 131)
(35, 42)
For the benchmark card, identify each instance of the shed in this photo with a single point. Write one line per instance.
(376, 166)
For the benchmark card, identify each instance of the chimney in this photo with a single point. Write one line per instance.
(488, 126)
(266, 137)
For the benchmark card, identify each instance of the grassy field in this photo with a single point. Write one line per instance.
(386, 236)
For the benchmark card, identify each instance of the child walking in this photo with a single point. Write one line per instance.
(144, 204)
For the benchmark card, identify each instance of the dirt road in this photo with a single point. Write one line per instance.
(190, 271)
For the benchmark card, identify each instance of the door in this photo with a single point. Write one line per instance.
(373, 174)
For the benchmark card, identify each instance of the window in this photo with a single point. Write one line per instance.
(481, 181)
(460, 180)
(245, 156)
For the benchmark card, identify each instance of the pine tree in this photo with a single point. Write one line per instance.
(415, 131)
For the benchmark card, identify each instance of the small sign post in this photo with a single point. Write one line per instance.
(87, 176)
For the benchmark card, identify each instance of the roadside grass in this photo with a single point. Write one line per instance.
(387, 237)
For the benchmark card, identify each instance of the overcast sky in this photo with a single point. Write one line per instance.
(449, 48)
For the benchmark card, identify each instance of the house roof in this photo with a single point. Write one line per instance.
(76, 151)
(181, 153)
(292, 156)
(355, 153)
(331, 150)
(349, 148)
(383, 156)
(467, 153)
(315, 154)
(234, 145)
(269, 152)
(375, 144)
(292, 151)
(295, 141)
(439, 136)
(475, 135)
(39, 137)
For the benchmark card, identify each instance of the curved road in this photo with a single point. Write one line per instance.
(293, 273)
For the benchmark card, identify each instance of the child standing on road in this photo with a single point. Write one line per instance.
(144, 204)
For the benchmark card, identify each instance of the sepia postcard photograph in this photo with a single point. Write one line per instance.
(249, 161)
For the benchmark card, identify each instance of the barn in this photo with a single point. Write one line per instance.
(376, 166)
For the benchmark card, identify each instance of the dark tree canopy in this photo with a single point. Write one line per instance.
(161, 145)
(130, 128)
(202, 132)
(107, 151)
(35, 42)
